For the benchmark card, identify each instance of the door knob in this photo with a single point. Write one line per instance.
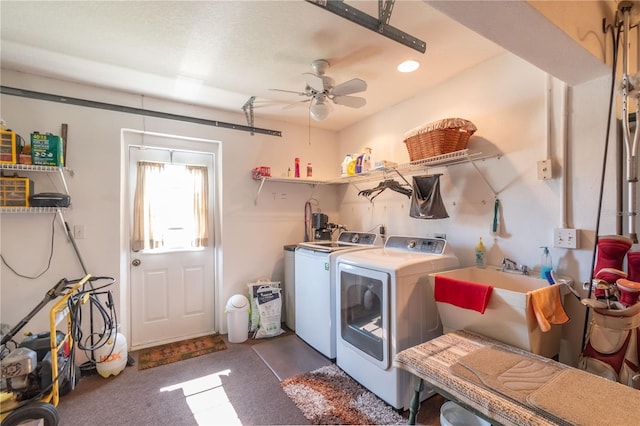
(136, 262)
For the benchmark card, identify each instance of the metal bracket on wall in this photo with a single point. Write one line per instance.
(249, 114)
(379, 25)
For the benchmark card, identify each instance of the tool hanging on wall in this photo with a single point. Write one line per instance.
(495, 226)
(630, 90)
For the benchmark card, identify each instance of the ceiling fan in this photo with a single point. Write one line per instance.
(321, 90)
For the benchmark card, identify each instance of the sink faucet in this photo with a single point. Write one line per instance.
(509, 265)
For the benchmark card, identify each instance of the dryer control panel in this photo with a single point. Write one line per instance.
(416, 244)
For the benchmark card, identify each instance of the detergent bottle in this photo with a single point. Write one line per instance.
(345, 165)
(480, 254)
(351, 167)
(366, 161)
(359, 160)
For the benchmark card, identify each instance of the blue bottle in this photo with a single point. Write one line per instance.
(546, 264)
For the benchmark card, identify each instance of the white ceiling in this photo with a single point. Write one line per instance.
(231, 50)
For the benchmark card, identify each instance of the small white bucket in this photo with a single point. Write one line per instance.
(451, 414)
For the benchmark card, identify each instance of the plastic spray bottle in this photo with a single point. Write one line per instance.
(297, 167)
(480, 252)
(546, 263)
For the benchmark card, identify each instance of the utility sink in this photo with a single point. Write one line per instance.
(508, 316)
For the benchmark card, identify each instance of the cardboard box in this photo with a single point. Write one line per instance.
(46, 150)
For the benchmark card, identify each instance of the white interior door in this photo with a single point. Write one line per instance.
(171, 289)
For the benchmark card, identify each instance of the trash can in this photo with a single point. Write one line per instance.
(237, 318)
(451, 414)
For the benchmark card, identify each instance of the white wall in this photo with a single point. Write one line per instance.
(505, 98)
(252, 235)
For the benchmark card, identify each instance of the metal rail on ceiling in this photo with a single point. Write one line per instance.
(379, 25)
(131, 110)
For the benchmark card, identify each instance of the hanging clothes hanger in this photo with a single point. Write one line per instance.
(391, 184)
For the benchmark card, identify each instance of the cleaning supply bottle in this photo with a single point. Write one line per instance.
(546, 263)
(345, 165)
(480, 253)
(366, 162)
(351, 167)
(359, 162)
(309, 170)
(297, 167)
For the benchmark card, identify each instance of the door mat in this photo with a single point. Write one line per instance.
(328, 396)
(179, 351)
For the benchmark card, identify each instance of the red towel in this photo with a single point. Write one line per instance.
(463, 294)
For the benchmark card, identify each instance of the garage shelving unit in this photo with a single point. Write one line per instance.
(60, 171)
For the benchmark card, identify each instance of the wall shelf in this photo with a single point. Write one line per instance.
(39, 169)
(31, 209)
(308, 181)
(457, 157)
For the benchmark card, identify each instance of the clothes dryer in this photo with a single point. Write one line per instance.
(384, 304)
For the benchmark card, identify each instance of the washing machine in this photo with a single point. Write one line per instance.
(315, 296)
(384, 304)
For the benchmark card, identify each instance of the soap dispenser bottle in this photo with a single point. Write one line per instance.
(546, 264)
(480, 254)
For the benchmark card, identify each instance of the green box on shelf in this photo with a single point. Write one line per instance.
(46, 149)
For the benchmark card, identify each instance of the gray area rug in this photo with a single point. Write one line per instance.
(289, 356)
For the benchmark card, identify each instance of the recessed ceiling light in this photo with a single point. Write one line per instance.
(408, 66)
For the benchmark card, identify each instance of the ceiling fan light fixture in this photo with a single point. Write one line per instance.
(409, 66)
(319, 109)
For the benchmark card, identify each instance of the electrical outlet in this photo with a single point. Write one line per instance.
(565, 238)
(79, 232)
(544, 169)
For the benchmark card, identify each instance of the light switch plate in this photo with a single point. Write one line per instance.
(565, 238)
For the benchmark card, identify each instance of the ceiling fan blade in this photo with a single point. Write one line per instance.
(350, 101)
(348, 87)
(290, 91)
(314, 81)
(295, 104)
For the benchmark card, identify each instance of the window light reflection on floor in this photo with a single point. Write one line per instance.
(207, 399)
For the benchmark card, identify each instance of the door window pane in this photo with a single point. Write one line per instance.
(170, 207)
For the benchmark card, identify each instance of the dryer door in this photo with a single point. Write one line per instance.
(364, 312)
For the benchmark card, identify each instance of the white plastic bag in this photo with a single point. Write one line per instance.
(269, 301)
(254, 315)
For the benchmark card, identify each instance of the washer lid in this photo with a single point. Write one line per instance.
(346, 239)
